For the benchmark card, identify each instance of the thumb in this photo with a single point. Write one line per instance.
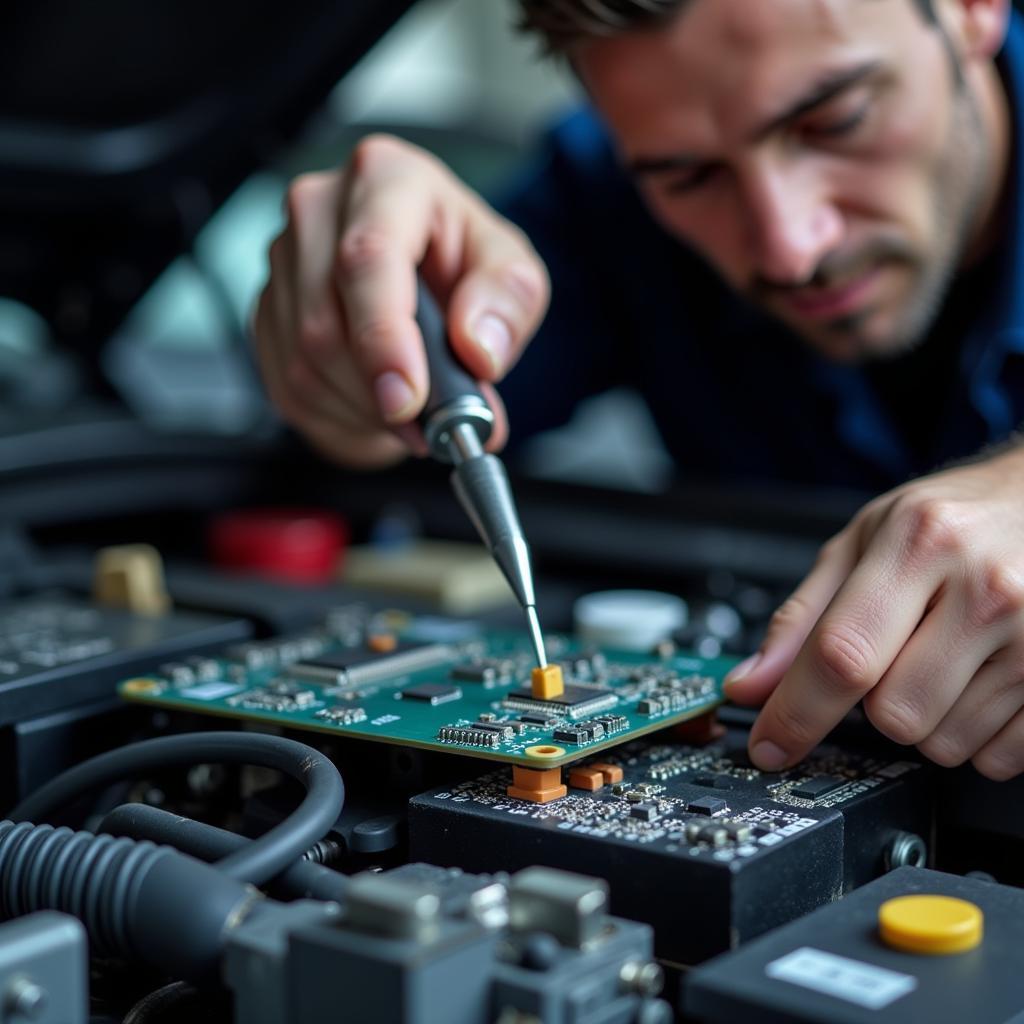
(753, 680)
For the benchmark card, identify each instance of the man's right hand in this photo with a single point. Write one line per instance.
(338, 345)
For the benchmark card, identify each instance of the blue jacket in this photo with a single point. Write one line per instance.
(735, 396)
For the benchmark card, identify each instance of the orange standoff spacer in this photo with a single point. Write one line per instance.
(539, 787)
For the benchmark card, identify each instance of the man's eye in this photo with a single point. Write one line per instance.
(838, 127)
(690, 181)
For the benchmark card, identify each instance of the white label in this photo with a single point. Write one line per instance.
(857, 982)
(210, 691)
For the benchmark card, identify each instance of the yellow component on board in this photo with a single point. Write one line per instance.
(547, 683)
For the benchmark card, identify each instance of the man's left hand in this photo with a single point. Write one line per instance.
(916, 608)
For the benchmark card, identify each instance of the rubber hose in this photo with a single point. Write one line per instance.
(257, 861)
(302, 880)
(135, 899)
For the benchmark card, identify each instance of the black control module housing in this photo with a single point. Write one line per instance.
(695, 840)
(833, 966)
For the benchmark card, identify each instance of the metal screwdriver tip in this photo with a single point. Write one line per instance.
(536, 636)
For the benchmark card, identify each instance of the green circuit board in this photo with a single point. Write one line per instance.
(445, 685)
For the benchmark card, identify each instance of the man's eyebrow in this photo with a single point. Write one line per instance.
(822, 91)
(825, 89)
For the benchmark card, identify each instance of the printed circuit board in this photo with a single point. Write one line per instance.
(441, 684)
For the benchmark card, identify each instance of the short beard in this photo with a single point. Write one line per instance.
(958, 189)
(957, 177)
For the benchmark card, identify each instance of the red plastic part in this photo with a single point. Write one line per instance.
(292, 544)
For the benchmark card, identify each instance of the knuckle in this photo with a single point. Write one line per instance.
(847, 658)
(374, 149)
(999, 594)
(362, 247)
(899, 720)
(831, 549)
(303, 191)
(935, 526)
(793, 611)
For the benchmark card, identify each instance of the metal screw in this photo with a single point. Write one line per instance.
(24, 998)
(906, 850)
(645, 979)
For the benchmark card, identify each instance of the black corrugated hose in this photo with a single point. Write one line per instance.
(257, 861)
(140, 901)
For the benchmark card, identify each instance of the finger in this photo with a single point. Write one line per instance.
(858, 637)
(991, 699)
(370, 450)
(302, 395)
(386, 235)
(316, 330)
(313, 395)
(312, 204)
(1002, 758)
(753, 680)
(499, 433)
(930, 673)
(499, 303)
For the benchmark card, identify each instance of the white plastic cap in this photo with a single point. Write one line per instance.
(634, 620)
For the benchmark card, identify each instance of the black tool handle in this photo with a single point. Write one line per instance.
(449, 381)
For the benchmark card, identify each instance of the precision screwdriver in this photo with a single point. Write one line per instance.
(457, 423)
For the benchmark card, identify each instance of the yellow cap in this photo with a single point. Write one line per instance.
(930, 924)
(546, 683)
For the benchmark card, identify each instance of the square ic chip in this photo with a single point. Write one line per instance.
(432, 693)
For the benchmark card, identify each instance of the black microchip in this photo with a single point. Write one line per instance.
(536, 719)
(573, 696)
(707, 780)
(358, 666)
(706, 805)
(354, 657)
(820, 785)
(433, 693)
(475, 672)
(645, 812)
(570, 734)
(503, 729)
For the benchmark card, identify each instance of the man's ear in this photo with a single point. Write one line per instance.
(979, 26)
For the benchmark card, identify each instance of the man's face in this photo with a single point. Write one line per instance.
(822, 155)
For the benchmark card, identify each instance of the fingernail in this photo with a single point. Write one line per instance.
(395, 398)
(742, 670)
(492, 335)
(768, 757)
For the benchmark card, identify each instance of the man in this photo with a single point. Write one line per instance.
(829, 295)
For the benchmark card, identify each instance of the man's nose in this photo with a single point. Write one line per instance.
(793, 224)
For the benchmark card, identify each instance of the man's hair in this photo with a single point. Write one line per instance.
(562, 22)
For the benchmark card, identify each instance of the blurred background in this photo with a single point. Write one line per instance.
(451, 75)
